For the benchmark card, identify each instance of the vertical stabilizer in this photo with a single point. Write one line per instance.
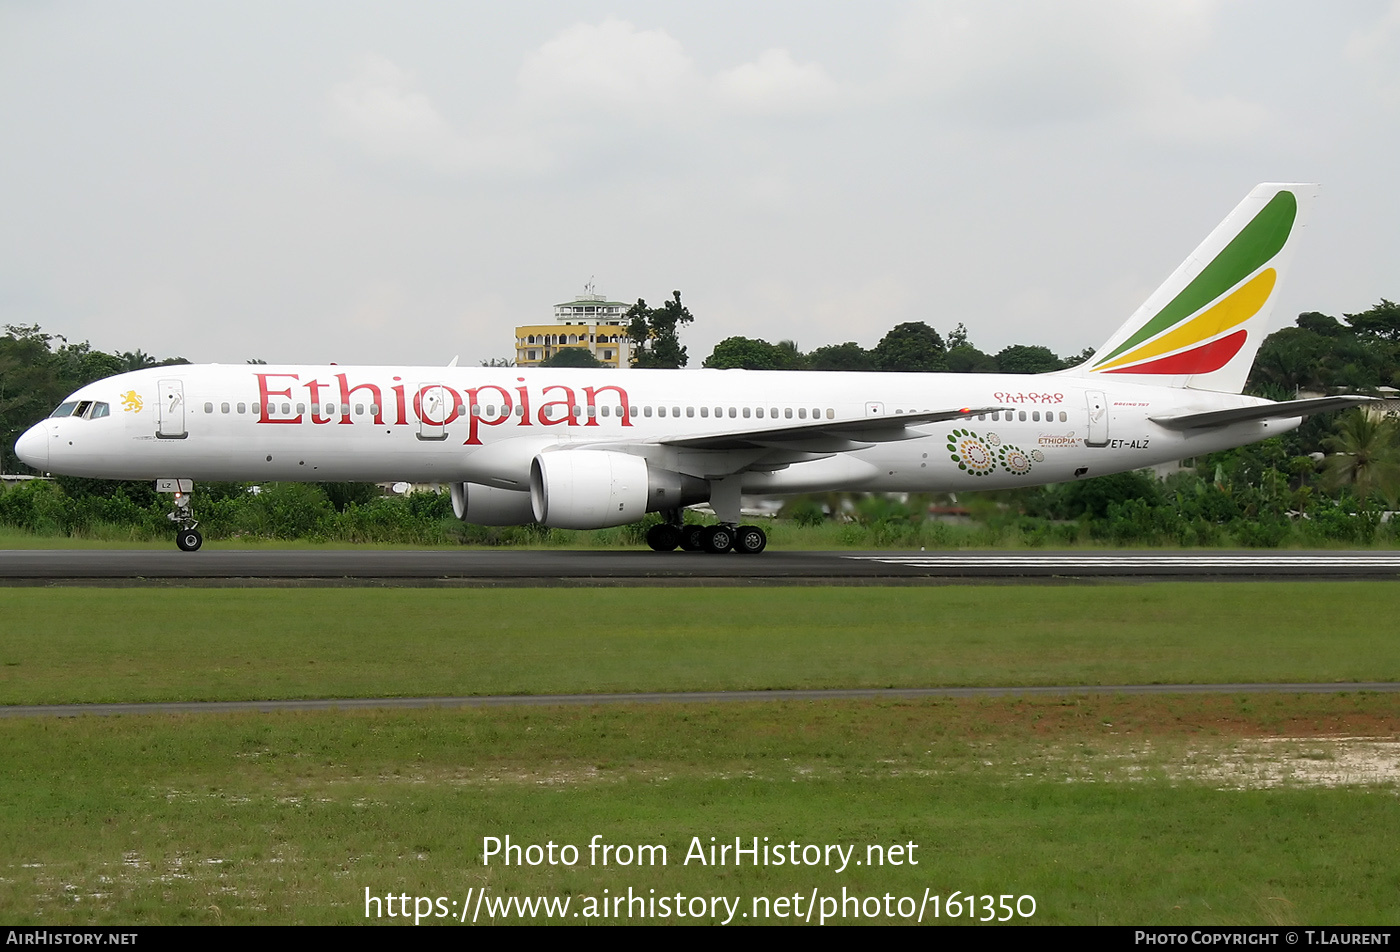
(1203, 326)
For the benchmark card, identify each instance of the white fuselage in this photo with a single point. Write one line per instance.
(486, 425)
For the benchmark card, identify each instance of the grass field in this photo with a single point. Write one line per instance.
(90, 644)
(1177, 809)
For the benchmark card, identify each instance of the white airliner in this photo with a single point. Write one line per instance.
(585, 449)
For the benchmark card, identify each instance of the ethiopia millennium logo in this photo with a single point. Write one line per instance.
(131, 402)
(980, 455)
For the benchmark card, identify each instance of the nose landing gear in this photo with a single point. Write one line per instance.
(187, 537)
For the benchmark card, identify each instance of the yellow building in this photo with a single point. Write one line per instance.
(588, 322)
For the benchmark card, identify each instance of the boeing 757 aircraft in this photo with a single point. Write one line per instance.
(584, 449)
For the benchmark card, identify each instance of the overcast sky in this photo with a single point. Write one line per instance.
(402, 183)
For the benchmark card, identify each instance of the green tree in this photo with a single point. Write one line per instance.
(1378, 321)
(1027, 359)
(913, 346)
(847, 356)
(572, 357)
(655, 333)
(967, 359)
(752, 354)
(1365, 455)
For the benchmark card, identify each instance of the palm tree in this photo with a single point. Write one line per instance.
(1365, 454)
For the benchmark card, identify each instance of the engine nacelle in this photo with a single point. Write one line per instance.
(594, 489)
(489, 506)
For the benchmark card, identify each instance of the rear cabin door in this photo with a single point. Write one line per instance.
(1098, 419)
(170, 411)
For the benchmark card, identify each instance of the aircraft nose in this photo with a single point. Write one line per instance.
(33, 447)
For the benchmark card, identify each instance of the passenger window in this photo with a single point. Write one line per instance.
(690, 411)
(704, 412)
(374, 409)
(830, 413)
(758, 413)
(359, 409)
(661, 411)
(675, 411)
(223, 408)
(733, 412)
(301, 408)
(592, 412)
(287, 409)
(1023, 416)
(787, 413)
(981, 416)
(1035, 416)
(476, 410)
(632, 411)
(802, 413)
(257, 409)
(243, 408)
(646, 412)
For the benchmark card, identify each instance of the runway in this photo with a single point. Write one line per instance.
(508, 567)
(674, 697)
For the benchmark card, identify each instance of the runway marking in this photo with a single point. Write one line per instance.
(1192, 561)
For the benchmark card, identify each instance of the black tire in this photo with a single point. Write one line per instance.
(750, 540)
(663, 537)
(188, 540)
(719, 539)
(693, 538)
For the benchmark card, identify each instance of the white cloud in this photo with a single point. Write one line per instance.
(1377, 50)
(775, 83)
(1028, 62)
(382, 111)
(572, 92)
(612, 67)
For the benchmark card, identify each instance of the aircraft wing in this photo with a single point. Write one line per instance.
(827, 436)
(1285, 410)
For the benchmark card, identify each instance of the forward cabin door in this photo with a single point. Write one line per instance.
(170, 411)
(433, 411)
(1098, 419)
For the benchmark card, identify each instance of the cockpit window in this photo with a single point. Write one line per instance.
(87, 409)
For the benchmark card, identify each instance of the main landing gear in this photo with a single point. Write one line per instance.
(748, 540)
(187, 537)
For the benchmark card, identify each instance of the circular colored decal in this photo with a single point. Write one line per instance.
(970, 453)
(1037, 456)
(993, 439)
(1014, 460)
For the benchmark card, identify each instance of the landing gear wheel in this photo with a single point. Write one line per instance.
(719, 538)
(750, 540)
(189, 540)
(664, 537)
(693, 538)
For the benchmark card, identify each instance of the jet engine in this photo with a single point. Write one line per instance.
(489, 506)
(593, 489)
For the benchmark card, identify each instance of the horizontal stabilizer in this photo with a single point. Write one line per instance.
(1286, 410)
